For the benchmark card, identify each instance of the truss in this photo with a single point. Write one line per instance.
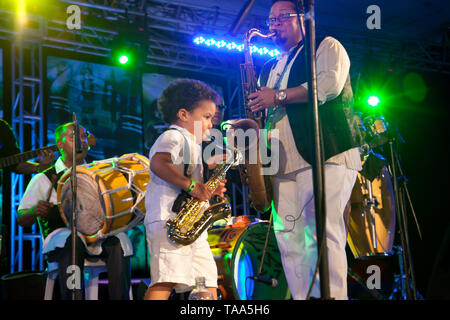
(165, 28)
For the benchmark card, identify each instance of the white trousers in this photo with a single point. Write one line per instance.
(295, 228)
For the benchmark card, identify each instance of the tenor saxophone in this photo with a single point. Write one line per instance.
(197, 216)
(260, 187)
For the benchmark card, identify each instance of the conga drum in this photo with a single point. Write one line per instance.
(110, 196)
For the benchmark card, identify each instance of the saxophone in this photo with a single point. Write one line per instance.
(260, 187)
(197, 216)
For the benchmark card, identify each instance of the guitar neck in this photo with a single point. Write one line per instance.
(21, 157)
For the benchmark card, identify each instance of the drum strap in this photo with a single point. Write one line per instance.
(53, 220)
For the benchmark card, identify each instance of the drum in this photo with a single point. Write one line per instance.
(110, 195)
(371, 220)
(238, 249)
(376, 131)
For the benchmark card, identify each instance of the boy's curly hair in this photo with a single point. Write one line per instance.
(184, 93)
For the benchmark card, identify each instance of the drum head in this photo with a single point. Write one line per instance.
(245, 263)
(90, 205)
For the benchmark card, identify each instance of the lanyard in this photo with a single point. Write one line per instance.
(289, 59)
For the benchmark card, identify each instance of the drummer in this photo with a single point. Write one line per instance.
(39, 204)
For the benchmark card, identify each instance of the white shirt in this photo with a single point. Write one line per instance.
(160, 195)
(37, 190)
(333, 65)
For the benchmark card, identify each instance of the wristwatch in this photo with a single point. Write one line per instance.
(280, 98)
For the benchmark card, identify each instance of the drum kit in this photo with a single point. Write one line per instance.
(377, 205)
(370, 213)
(111, 200)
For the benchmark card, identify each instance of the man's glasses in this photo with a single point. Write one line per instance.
(272, 20)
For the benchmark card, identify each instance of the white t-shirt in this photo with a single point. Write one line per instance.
(160, 195)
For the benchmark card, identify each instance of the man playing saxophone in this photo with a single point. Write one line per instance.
(185, 104)
(284, 94)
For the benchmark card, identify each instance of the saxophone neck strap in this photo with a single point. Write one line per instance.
(186, 153)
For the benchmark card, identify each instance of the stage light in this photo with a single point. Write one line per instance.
(128, 55)
(373, 101)
(224, 44)
(21, 12)
(123, 59)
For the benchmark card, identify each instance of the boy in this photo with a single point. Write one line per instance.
(189, 106)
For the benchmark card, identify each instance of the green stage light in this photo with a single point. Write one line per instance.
(373, 101)
(123, 59)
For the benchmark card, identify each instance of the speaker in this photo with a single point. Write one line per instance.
(24, 286)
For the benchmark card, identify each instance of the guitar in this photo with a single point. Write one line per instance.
(21, 157)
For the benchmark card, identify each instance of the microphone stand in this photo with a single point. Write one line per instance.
(75, 148)
(407, 267)
(318, 156)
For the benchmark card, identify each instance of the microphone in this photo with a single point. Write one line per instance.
(78, 147)
(271, 282)
(243, 14)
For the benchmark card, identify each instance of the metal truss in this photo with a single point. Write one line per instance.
(165, 29)
(27, 120)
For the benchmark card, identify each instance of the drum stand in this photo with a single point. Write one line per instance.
(407, 281)
(371, 203)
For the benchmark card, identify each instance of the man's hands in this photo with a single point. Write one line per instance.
(262, 99)
(45, 159)
(27, 217)
(43, 209)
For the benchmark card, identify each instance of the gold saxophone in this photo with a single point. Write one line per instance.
(197, 216)
(260, 187)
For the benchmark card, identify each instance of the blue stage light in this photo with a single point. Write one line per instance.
(223, 44)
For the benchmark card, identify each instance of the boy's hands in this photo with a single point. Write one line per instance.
(202, 192)
(220, 190)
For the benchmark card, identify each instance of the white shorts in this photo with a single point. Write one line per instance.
(171, 262)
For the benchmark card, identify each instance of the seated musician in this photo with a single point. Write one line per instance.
(39, 204)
